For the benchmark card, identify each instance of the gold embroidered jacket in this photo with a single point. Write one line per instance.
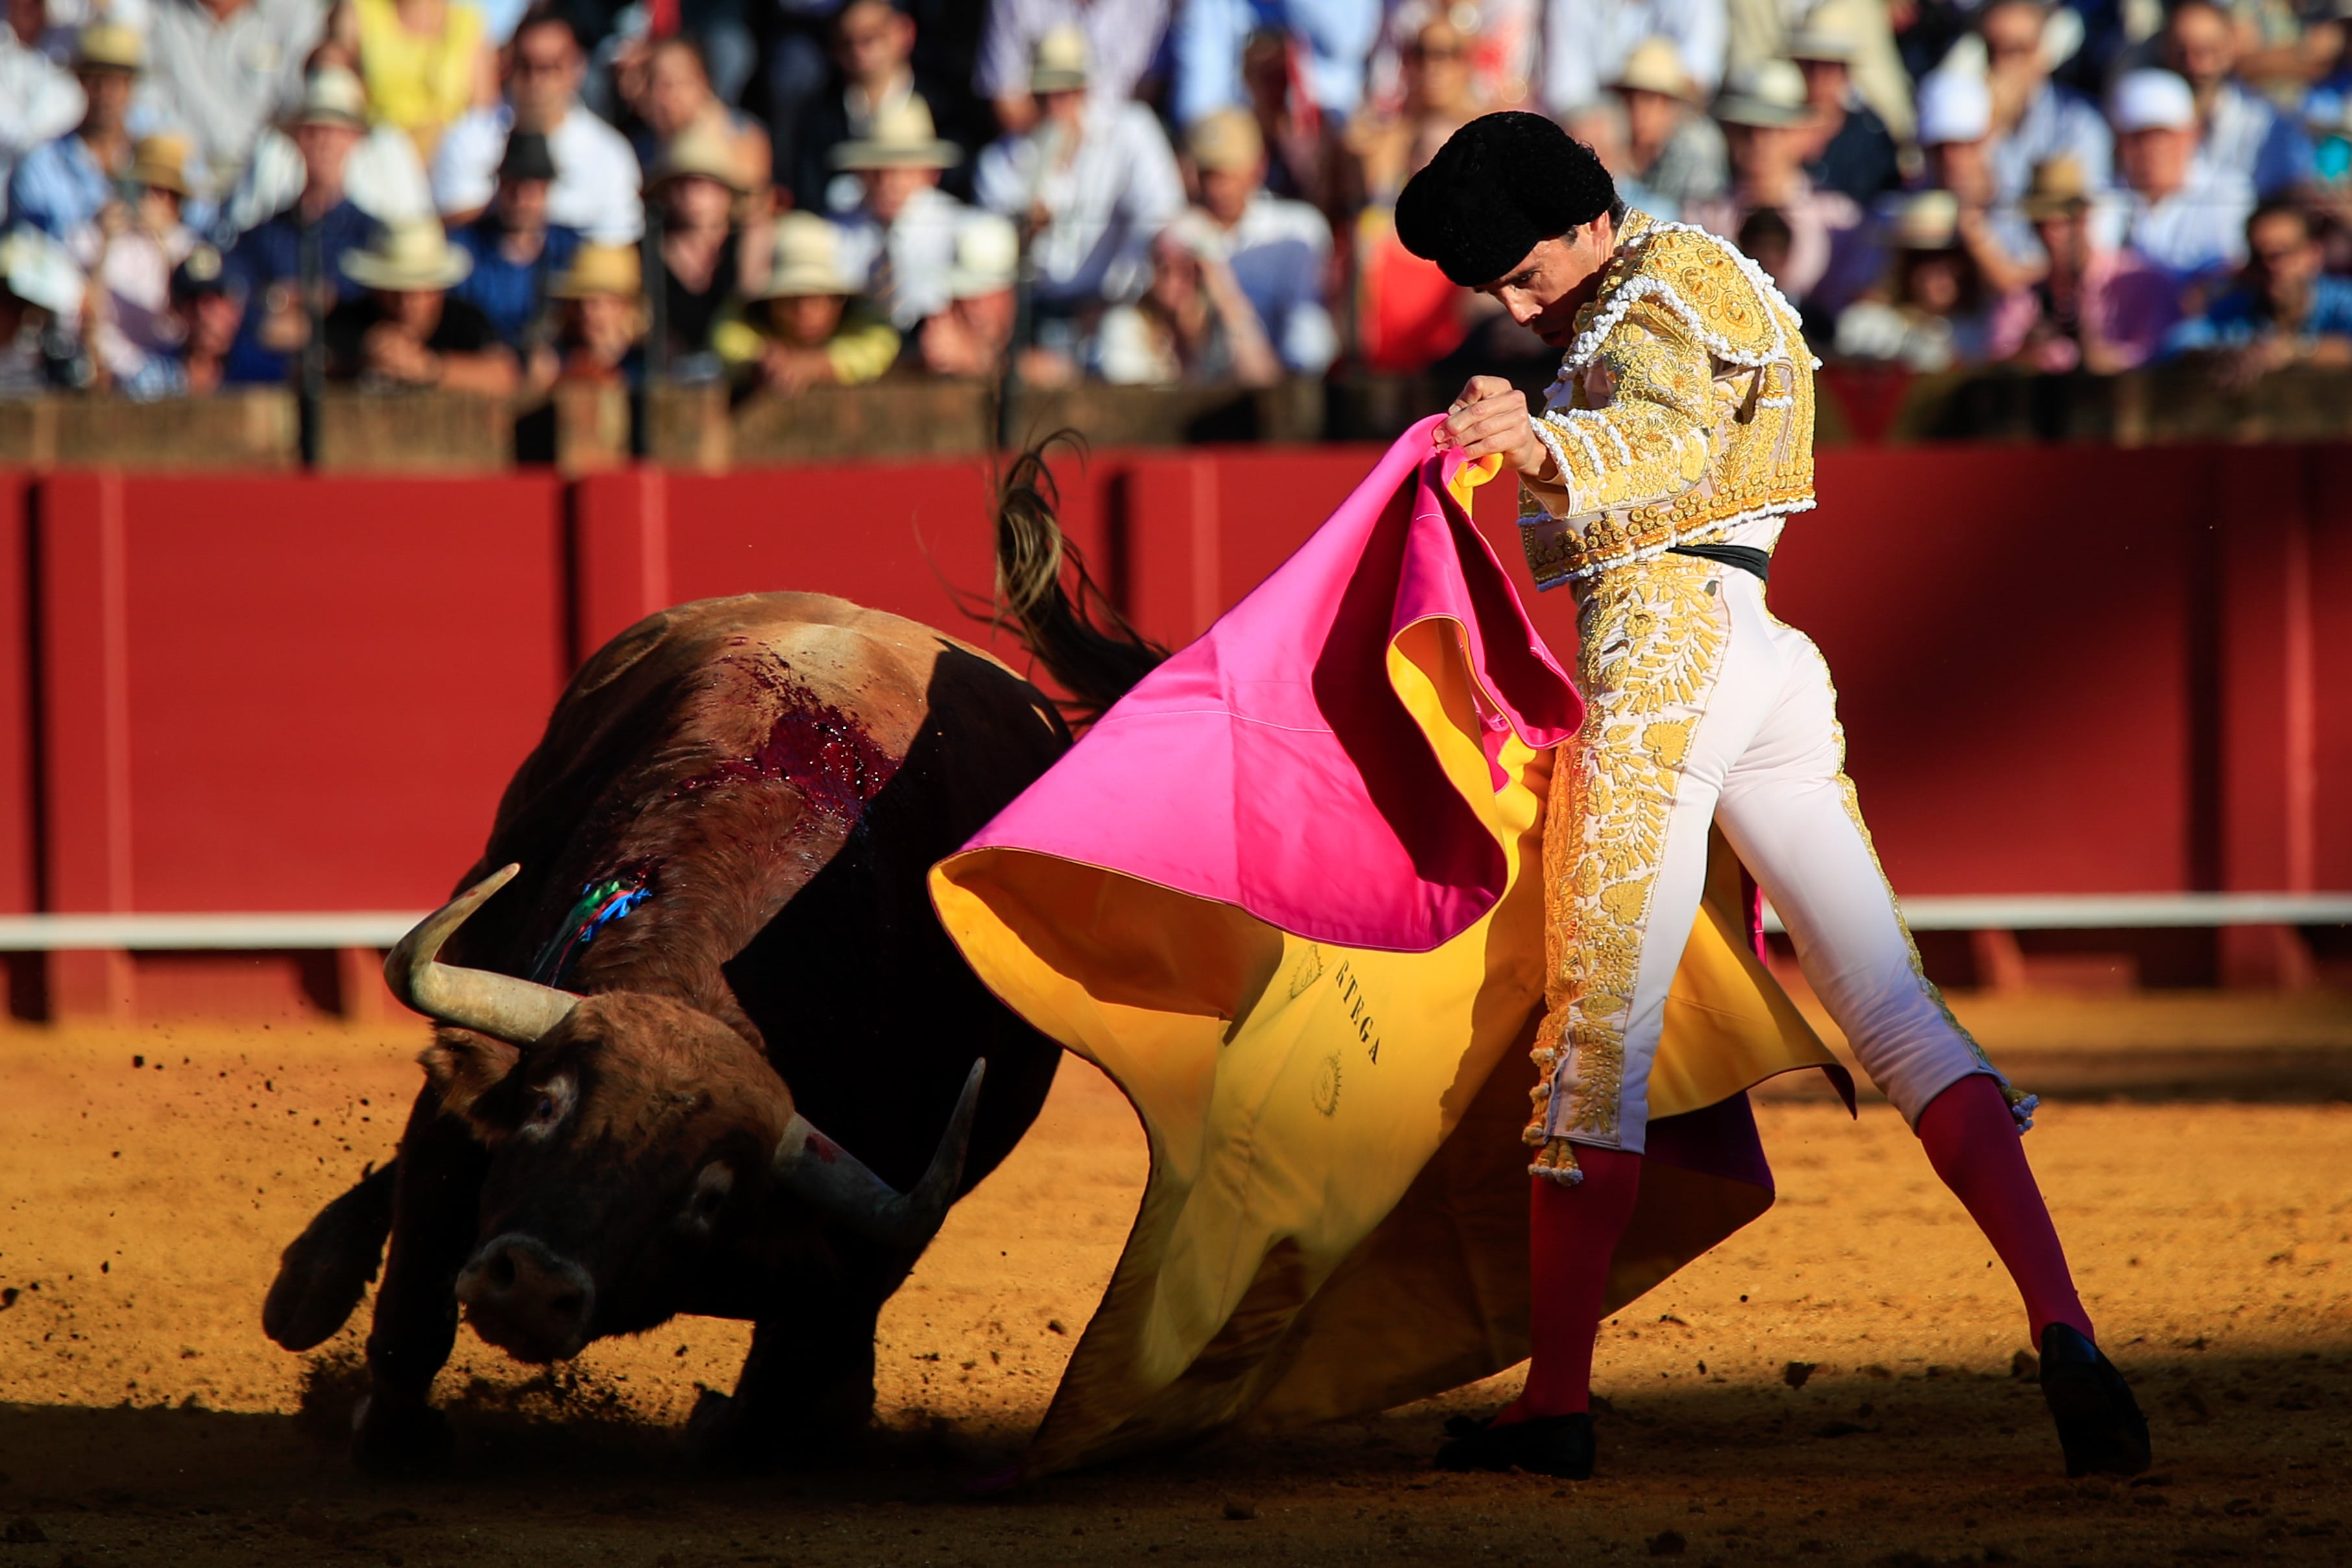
(1683, 410)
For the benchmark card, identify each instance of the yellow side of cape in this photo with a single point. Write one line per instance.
(1336, 1217)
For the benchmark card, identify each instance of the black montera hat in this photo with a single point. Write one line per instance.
(1500, 186)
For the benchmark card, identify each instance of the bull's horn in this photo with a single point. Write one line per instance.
(830, 1179)
(516, 1011)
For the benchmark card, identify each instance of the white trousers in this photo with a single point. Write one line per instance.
(1704, 709)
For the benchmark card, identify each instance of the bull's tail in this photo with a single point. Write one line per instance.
(1046, 596)
(324, 1271)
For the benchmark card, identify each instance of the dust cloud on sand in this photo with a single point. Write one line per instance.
(1837, 1383)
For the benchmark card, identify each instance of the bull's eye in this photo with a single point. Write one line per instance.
(548, 1109)
(545, 1110)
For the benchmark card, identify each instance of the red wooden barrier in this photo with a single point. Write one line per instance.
(2061, 669)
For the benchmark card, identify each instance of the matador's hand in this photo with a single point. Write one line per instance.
(1491, 416)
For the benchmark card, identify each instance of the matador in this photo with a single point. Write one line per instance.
(1671, 449)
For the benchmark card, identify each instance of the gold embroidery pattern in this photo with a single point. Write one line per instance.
(1652, 642)
(1691, 410)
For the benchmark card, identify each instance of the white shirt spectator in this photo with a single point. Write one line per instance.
(920, 247)
(382, 178)
(2058, 123)
(1122, 35)
(1208, 37)
(1279, 252)
(2196, 232)
(39, 101)
(2247, 136)
(1586, 43)
(596, 176)
(1103, 202)
(221, 82)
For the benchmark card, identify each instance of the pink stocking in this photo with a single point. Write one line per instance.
(1572, 1232)
(1974, 1144)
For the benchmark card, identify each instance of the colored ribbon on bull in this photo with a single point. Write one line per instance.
(1287, 895)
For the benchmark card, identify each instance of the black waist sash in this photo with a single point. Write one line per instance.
(1746, 557)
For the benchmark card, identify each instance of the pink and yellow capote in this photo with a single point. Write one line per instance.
(1286, 894)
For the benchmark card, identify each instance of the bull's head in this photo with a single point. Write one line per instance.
(630, 1134)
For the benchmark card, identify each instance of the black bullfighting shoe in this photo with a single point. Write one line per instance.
(1544, 1444)
(2099, 1423)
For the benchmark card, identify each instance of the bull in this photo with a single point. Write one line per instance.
(710, 1051)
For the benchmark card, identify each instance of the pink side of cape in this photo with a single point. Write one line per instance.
(1270, 765)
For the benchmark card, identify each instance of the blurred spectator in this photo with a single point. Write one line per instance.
(1674, 149)
(1847, 147)
(1588, 44)
(406, 331)
(2097, 308)
(2033, 119)
(901, 237)
(1501, 45)
(704, 268)
(1761, 30)
(969, 336)
(1939, 313)
(1408, 314)
(1433, 97)
(1192, 327)
(1093, 182)
(1306, 147)
(1122, 37)
(1831, 256)
(129, 255)
(601, 331)
(38, 98)
(1328, 44)
(266, 264)
(1279, 251)
(208, 307)
(2241, 132)
(2285, 309)
(2185, 216)
(220, 71)
(595, 189)
(514, 251)
(1956, 138)
(424, 62)
(383, 176)
(62, 185)
(811, 326)
(874, 50)
(1602, 128)
(40, 306)
(677, 96)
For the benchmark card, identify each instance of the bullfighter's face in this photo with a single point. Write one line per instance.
(627, 1148)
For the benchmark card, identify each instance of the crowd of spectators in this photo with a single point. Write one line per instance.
(777, 194)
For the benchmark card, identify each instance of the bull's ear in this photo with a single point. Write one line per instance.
(467, 1070)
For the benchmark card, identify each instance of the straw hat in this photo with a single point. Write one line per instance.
(110, 47)
(1656, 66)
(2059, 188)
(806, 260)
(901, 137)
(415, 257)
(1060, 60)
(698, 152)
(1227, 142)
(1928, 220)
(1823, 38)
(331, 95)
(987, 257)
(1768, 93)
(602, 269)
(160, 162)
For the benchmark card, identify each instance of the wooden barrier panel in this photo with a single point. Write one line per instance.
(2062, 670)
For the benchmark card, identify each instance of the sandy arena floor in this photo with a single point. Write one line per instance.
(148, 1179)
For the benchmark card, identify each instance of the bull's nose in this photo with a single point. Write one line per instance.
(527, 1300)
